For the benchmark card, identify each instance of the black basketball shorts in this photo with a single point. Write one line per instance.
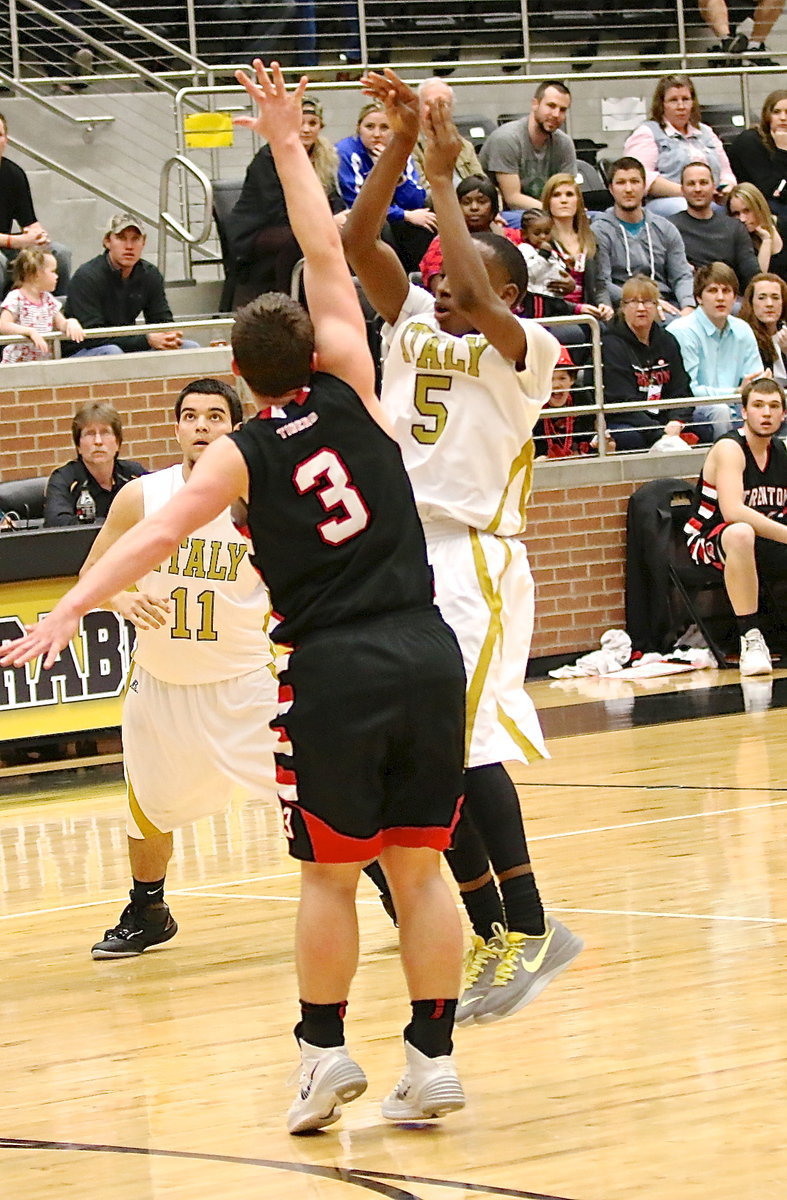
(371, 738)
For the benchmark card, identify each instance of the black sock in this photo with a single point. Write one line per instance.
(143, 893)
(468, 862)
(494, 808)
(431, 1026)
(524, 910)
(484, 907)
(321, 1024)
(747, 623)
(377, 876)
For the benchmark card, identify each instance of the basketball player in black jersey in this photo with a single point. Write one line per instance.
(371, 720)
(738, 522)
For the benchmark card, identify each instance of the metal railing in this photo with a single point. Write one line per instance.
(158, 42)
(108, 332)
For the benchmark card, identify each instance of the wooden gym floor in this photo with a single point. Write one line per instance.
(653, 1068)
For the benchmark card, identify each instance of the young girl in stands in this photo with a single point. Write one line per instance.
(31, 310)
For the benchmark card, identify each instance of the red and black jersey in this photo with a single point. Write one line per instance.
(763, 490)
(331, 513)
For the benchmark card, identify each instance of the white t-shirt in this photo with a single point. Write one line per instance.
(219, 606)
(464, 416)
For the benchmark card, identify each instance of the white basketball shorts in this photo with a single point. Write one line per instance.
(484, 588)
(189, 750)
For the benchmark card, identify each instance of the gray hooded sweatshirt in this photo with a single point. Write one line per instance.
(656, 251)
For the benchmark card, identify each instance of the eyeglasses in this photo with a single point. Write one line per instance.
(646, 303)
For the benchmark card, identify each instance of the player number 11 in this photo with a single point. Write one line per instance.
(181, 627)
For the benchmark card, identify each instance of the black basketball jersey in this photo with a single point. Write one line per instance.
(763, 490)
(331, 516)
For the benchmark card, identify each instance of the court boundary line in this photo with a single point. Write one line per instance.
(368, 1179)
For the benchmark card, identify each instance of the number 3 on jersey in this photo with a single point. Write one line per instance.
(326, 475)
(427, 432)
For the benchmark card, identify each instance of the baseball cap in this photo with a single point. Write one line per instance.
(124, 220)
(564, 359)
(310, 105)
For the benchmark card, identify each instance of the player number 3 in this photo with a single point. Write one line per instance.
(327, 469)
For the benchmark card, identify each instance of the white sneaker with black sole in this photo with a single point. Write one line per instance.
(328, 1079)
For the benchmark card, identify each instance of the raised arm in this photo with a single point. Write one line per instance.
(216, 481)
(471, 289)
(382, 276)
(340, 332)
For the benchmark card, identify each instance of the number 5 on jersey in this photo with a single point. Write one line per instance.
(428, 431)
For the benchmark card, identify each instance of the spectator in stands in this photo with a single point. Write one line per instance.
(764, 310)
(83, 489)
(673, 136)
(634, 241)
(410, 225)
(710, 236)
(572, 240)
(75, 57)
(522, 155)
(479, 204)
(467, 163)
(115, 287)
(259, 228)
(747, 204)
(16, 205)
(546, 271)
(31, 310)
(719, 351)
(759, 155)
(738, 522)
(642, 361)
(734, 47)
(558, 433)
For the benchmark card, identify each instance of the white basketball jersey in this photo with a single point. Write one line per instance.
(464, 416)
(219, 607)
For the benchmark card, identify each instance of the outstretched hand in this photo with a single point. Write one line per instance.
(401, 102)
(48, 637)
(443, 143)
(279, 111)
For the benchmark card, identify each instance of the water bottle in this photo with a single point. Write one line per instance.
(86, 506)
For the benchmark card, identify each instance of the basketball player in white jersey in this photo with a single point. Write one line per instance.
(202, 687)
(463, 382)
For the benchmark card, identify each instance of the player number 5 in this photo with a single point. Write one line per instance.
(436, 413)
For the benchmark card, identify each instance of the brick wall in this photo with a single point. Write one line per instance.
(576, 543)
(577, 521)
(35, 422)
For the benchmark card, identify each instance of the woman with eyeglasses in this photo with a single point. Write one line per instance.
(642, 361)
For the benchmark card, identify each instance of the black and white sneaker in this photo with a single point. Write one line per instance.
(728, 52)
(138, 929)
(757, 55)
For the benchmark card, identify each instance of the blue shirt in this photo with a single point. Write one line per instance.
(716, 359)
(355, 163)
